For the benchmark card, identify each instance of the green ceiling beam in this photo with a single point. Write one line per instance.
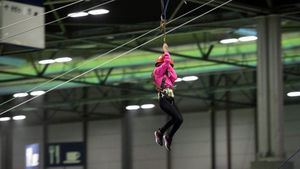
(12, 61)
(139, 64)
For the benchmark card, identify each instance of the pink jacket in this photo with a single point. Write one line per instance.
(160, 71)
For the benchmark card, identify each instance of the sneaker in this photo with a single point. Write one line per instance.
(167, 141)
(158, 137)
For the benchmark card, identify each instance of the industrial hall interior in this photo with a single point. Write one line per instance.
(149, 84)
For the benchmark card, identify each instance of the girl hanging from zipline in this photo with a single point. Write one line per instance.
(164, 77)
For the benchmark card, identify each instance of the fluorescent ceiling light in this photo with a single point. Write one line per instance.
(226, 41)
(20, 95)
(178, 79)
(19, 117)
(247, 38)
(293, 94)
(190, 78)
(63, 59)
(147, 106)
(77, 14)
(46, 61)
(98, 11)
(132, 107)
(37, 93)
(4, 118)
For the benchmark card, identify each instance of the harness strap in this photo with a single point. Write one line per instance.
(163, 82)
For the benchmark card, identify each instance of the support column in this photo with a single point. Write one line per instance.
(126, 134)
(6, 131)
(228, 123)
(6, 145)
(85, 128)
(126, 141)
(212, 123)
(269, 93)
(45, 134)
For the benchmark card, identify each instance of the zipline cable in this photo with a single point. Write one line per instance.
(118, 55)
(48, 23)
(118, 47)
(56, 9)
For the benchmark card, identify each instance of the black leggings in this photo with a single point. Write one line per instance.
(168, 106)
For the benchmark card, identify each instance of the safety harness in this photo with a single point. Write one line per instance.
(162, 91)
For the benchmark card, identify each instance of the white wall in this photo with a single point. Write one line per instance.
(146, 153)
(191, 145)
(0, 149)
(104, 145)
(292, 133)
(23, 136)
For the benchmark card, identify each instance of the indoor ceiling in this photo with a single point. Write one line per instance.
(195, 48)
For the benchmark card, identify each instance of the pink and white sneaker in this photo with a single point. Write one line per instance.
(158, 137)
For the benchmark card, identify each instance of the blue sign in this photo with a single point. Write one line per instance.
(65, 154)
(32, 156)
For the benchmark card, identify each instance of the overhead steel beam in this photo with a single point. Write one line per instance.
(58, 2)
(30, 76)
(238, 6)
(57, 17)
(134, 89)
(176, 10)
(16, 79)
(55, 105)
(97, 114)
(191, 57)
(202, 59)
(246, 20)
(88, 101)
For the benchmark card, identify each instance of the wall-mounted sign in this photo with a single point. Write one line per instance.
(32, 156)
(30, 33)
(65, 154)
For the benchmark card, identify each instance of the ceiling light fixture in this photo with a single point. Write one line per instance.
(247, 38)
(147, 106)
(46, 61)
(77, 14)
(227, 41)
(133, 107)
(19, 117)
(5, 118)
(293, 94)
(37, 93)
(98, 11)
(63, 59)
(16, 95)
(189, 78)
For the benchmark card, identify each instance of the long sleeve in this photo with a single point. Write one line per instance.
(160, 72)
(172, 74)
(164, 66)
